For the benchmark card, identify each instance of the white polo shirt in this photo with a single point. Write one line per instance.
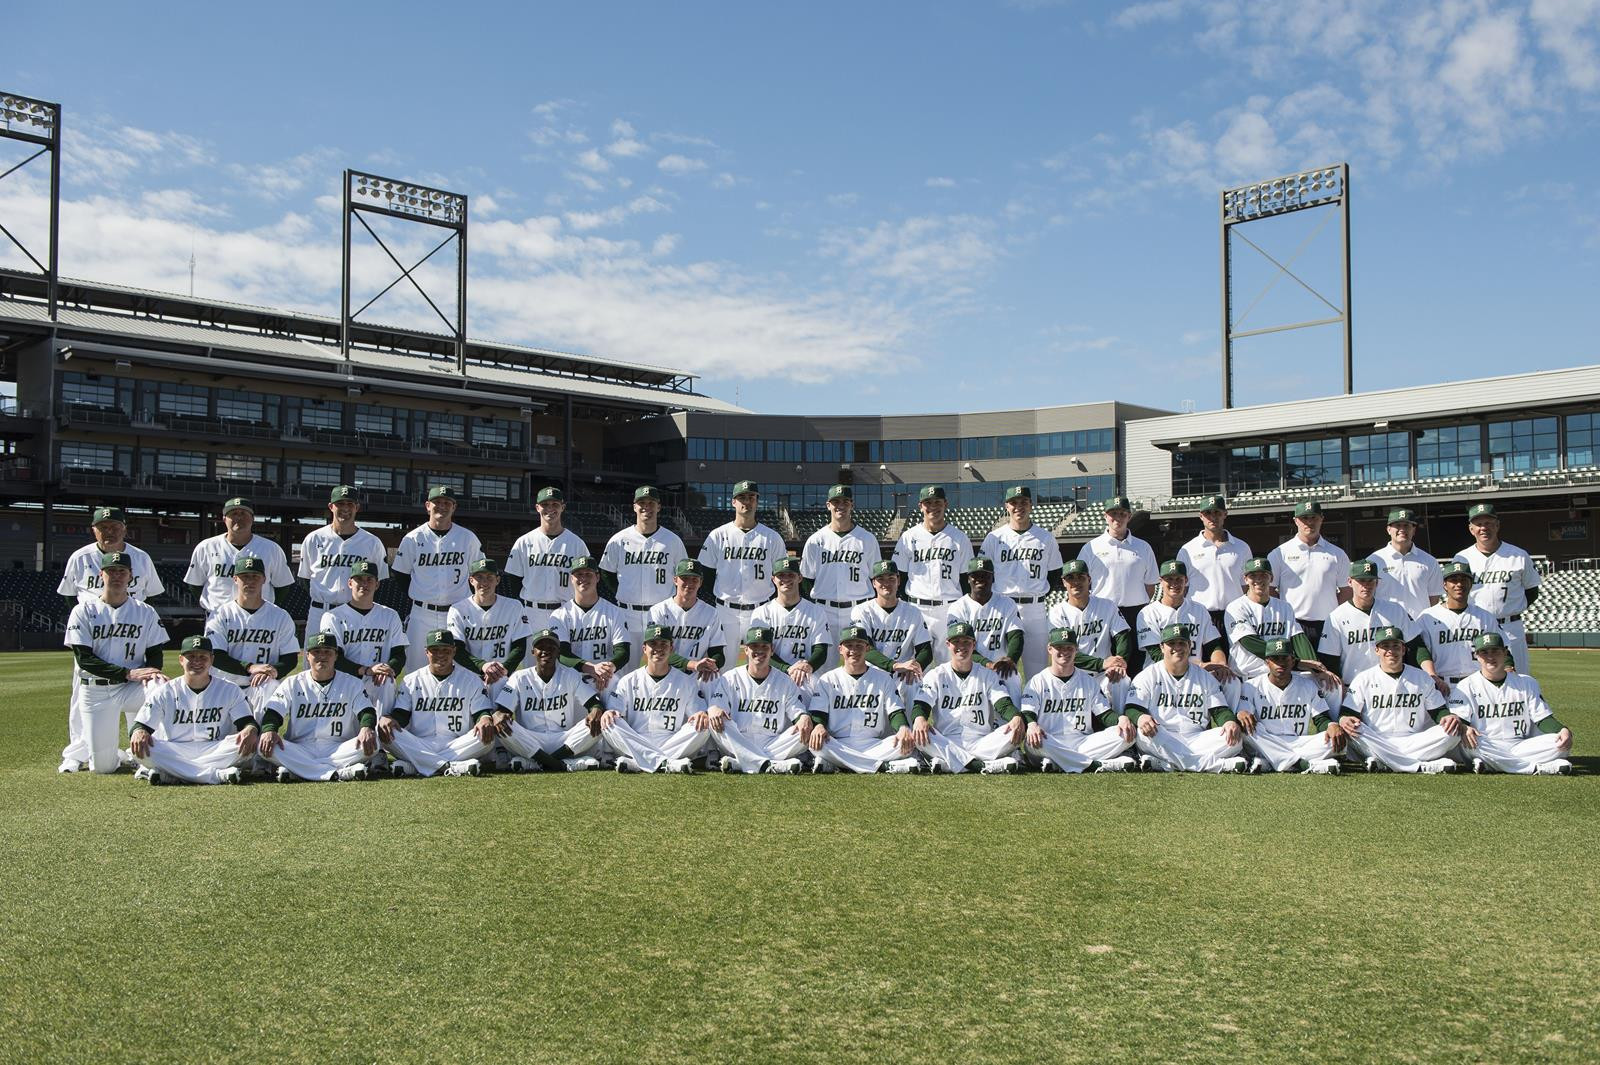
(1216, 570)
(1119, 570)
(1309, 576)
(1408, 579)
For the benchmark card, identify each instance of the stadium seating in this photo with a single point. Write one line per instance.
(1569, 601)
(42, 609)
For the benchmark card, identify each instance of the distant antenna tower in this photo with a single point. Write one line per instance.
(191, 265)
(1187, 406)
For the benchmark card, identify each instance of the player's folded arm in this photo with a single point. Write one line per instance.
(1300, 644)
(620, 653)
(1209, 650)
(285, 663)
(1221, 715)
(1014, 641)
(1122, 644)
(677, 661)
(1134, 711)
(243, 721)
(1089, 662)
(95, 666)
(878, 658)
(466, 657)
(716, 655)
(1417, 650)
(1006, 709)
(519, 654)
(924, 655)
(608, 585)
(567, 658)
(367, 718)
(1108, 719)
(397, 658)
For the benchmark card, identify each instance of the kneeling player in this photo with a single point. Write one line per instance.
(647, 707)
(197, 727)
(441, 714)
(1071, 725)
(963, 716)
(857, 720)
(116, 645)
(549, 715)
(742, 712)
(1389, 713)
(1184, 721)
(1510, 727)
(1287, 721)
(319, 723)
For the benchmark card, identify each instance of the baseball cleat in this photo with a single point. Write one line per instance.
(283, 776)
(785, 766)
(1235, 764)
(230, 775)
(1047, 765)
(1375, 766)
(1560, 767)
(1258, 765)
(142, 773)
(352, 772)
(69, 765)
(678, 765)
(520, 765)
(996, 767)
(628, 765)
(400, 769)
(1148, 764)
(900, 766)
(1479, 766)
(466, 767)
(819, 766)
(125, 759)
(580, 765)
(156, 779)
(1324, 766)
(1120, 764)
(728, 764)
(1436, 766)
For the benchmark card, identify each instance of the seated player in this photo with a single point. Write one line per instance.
(1448, 630)
(801, 641)
(1287, 720)
(995, 619)
(1105, 642)
(741, 715)
(491, 630)
(1389, 713)
(371, 637)
(1510, 728)
(898, 639)
(962, 715)
(549, 713)
(441, 715)
(857, 721)
(646, 708)
(1183, 720)
(1347, 636)
(320, 723)
(254, 640)
(594, 631)
(197, 727)
(1070, 724)
(765, 703)
(698, 645)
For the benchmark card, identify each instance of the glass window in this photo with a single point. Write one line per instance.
(1195, 472)
(376, 421)
(1253, 469)
(316, 473)
(239, 468)
(497, 432)
(488, 487)
(456, 482)
(1582, 433)
(1309, 462)
(181, 463)
(380, 478)
(1523, 446)
(1450, 451)
(186, 401)
(323, 414)
(1378, 458)
(240, 406)
(77, 455)
(79, 390)
(450, 428)
(703, 449)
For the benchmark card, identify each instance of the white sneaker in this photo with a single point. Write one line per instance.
(628, 765)
(1048, 765)
(283, 776)
(466, 767)
(1436, 766)
(1324, 766)
(785, 766)
(125, 759)
(728, 764)
(901, 766)
(230, 775)
(1375, 766)
(1561, 767)
(351, 772)
(581, 764)
(1000, 766)
(1147, 764)
(156, 779)
(1120, 764)
(69, 765)
(939, 765)
(401, 769)
(142, 773)
(1258, 765)
(1236, 764)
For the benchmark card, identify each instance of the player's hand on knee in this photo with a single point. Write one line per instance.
(269, 743)
(247, 740)
(1247, 721)
(903, 738)
(1147, 725)
(802, 726)
(485, 729)
(1451, 724)
(1564, 740)
(1035, 735)
(609, 718)
(139, 743)
(919, 732)
(367, 741)
(502, 722)
(386, 726)
(700, 719)
(1125, 729)
(819, 736)
(1350, 726)
(1018, 727)
(1231, 733)
(718, 717)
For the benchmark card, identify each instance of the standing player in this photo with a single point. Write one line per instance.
(1215, 560)
(648, 706)
(1408, 574)
(962, 715)
(637, 565)
(1122, 567)
(857, 715)
(738, 558)
(196, 727)
(326, 555)
(1027, 568)
(593, 632)
(319, 724)
(995, 619)
(1183, 721)
(1389, 714)
(1448, 630)
(548, 716)
(836, 564)
(801, 640)
(1510, 728)
(369, 637)
(898, 639)
(1506, 580)
(441, 716)
(932, 555)
(540, 565)
(1310, 571)
(1257, 618)
(491, 630)
(1071, 726)
(1347, 645)
(431, 564)
(210, 571)
(115, 641)
(694, 624)
(1288, 722)
(253, 641)
(1104, 640)
(81, 582)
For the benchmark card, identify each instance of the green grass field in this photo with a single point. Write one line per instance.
(711, 918)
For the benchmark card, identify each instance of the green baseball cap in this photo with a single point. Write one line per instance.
(1364, 569)
(583, 562)
(1175, 631)
(1453, 568)
(1063, 636)
(980, 564)
(1385, 633)
(441, 491)
(364, 568)
(1117, 503)
(1488, 641)
(248, 564)
(1309, 509)
(786, 564)
(341, 493)
(1258, 565)
(550, 492)
(747, 488)
(116, 560)
(842, 491)
(960, 629)
(484, 565)
(885, 568)
(109, 514)
(238, 503)
(759, 634)
(855, 632)
(657, 632)
(322, 640)
(1213, 503)
(196, 643)
(546, 633)
(1481, 510)
(688, 567)
(1278, 647)
(648, 491)
(1075, 567)
(931, 491)
(1400, 514)
(1174, 568)
(1018, 491)
(440, 638)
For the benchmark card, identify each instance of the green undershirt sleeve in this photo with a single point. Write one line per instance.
(1055, 581)
(924, 655)
(818, 657)
(1258, 647)
(567, 658)
(95, 666)
(154, 658)
(608, 586)
(716, 655)
(1014, 645)
(1212, 648)
(467, 658)
(1417, 651)
(677, 661)
(1107, 719)
(620, 653)
(519, 652)
(1301, 644)
(1122, 644)
(1550, 726)
(401, 717)
(228, 664)
(397, 658)
(1331, 661)
(1221, 716)
(368, 718)
(879, 659)
(1089, 662)
(510, 584)
(1134, 712)
(897, 720)
(1320, 722)
(806, 586)
(1006, 708)
(286, 664)
(920, 709)
(271, 720)
(346, 665)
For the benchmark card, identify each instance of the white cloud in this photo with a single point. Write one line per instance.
(664, 245)
(1248, 147)
(844, 199)
(593, 161)
(583, 220)
(1136, 15)
(678, 164)
(1570, 29)
(940, 183)
(626, 148)
(936, 258)
(724, 180)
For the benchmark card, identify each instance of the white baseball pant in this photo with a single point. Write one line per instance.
(530, 743)
(937, 618)
(1195, 752)
(429, 754)
(196, 761)
(858, 756)
(625, 741)
(735, 622)
(1516, 634)
(99, 706)
(1404, 753)
(1283, 753)
(422, 620)
(689, 741)
(1073, 752)
(255, 696)
(316, 759)
(1517, 756)
(1035, 638)
(77, 748)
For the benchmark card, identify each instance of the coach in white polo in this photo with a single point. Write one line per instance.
(1027, 568)
(1122, 567)
(327, 553)
(432, 563)
(1215, 560)
(211, 565)
(1410, 576)
(1311, 574)
(1505, 580)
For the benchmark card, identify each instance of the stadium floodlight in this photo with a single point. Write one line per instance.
(411, 202)
(37, 122)
(1323, 186)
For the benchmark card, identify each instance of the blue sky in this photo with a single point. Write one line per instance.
(858, 208)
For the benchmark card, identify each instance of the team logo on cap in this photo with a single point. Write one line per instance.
(855, 632)
(1454, 568)
(323, 640)
(688, 567)
(1386, 633)
(841, 491)
(758, 634)
(746, 488)
(248, 564)
(364, 568)
(657, 632)
(1488, 641)
(1175, 631)
(1481, 510)
(441, 491)
(1062, 636)
(484, 565)
(583, 562)
(1118, 503)
(238, 503)
(1364, 570)
(116, 560)
(440, 638)
(544, 634)
(196, 643)
(981, 564)
(1076, 567)
(1278, 647)
(885, 568)
(931, 491)
(786, 564)
(1309, 509)
(109, 514)
(1174, 568)
(648, 491)
(551, 493)
(341, 493)
(959, 630)
(1257, 565)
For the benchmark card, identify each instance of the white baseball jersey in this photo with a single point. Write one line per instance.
(1449, 635)
(656, 708)
(743, 561)
(1065, 704)
(1500, 581)
(119, 635)
(593, 633)
(441, 706)
(1348, 634)
(1119, 570)
(326, 558)
(1286, 711)
(643, 564)
(963, 706)
(1309, 576)
(1396, 704)
(761, 708)
(933, 562)
(1510, 710)
(553, 705)
(1216, 570)
(211, 568)
(1097, 623)
(694, 631)
(489, 632)
(895, 633)
(795, 630)
(317, 711)
(1023, 560)
(993, 622)
(437, 563)
(857, 707)
(252, 637)
(544, 564)
(1183, 704)
(176, 712)
(368, 637)
(1271, 620)
(81, 579)
(1408, 579)
(838, 564)
(1191, 615)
